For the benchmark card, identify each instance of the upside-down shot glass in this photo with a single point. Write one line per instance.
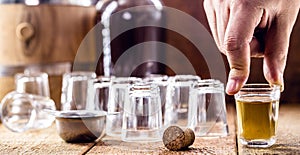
(33, 83)
(257, 107)
(98, 92)
(75, 90)
(142, 118)
(177, 99)
(162, 82)
(207, 109)
(117, 96)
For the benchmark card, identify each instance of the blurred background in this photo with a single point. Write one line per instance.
(46, 38)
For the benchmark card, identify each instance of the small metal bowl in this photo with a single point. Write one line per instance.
(80, 126)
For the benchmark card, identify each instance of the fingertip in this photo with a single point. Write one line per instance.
(234, 85)
(274, 77)
(279, 81)
(231, 87)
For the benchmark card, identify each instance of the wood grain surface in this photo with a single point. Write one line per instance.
(44, 142)
(47, 141)
(217, 145)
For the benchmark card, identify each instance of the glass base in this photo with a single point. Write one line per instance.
(260, 143)
(141, 136)
(113, 133)
(218, 129)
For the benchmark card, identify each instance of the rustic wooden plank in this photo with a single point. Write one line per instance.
(44, 141)
(223, 145)
(288, 139)
(56, 33)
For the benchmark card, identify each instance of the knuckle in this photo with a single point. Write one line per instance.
(239, 72)
(207, 4)
(239, 67)
(232, 44)
(241, 3)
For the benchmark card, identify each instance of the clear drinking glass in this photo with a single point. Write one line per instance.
(22, 111)
(117, 98)
(142, 118)
(98, 92)
(257, 107)
(74, 90)
(207, 109)
(177, 100)
(33, 83)
(162, 82)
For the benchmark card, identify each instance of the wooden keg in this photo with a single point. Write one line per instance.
(44, 35)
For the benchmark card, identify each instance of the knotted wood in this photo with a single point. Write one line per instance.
(42, 33)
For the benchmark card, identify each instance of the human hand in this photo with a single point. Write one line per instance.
(234, 25)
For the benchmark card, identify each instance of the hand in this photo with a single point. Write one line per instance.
(245, 28)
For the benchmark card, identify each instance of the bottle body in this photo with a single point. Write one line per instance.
(130, 44)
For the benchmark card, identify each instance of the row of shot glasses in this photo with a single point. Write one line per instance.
(140, 109)
(137, 109)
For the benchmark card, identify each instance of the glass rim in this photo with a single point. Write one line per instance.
(157, 78)
(260, 87)
(80, 73)
(75, 113)
(125, 80)
(143, 87)
(185, 78)
(31, 75)
(102, 79)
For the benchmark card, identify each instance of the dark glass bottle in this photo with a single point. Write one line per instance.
(130, 38)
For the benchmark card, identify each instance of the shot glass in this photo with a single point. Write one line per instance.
(162, 82)
(207, 110)
(257, 107)
(177, 100)
(142, 118)
(117, 96)
(21, 111)
(75, 90)
(98, 92)
(33, 83)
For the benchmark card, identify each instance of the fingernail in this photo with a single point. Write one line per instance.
(278, 81)
(281, 83)
(231, 87)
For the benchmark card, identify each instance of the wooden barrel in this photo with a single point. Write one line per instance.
(41, 35)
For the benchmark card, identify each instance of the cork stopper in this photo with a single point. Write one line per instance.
(174, 138)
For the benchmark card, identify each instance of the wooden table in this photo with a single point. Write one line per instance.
(47, 141)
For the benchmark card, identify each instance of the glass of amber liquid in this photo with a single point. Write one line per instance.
(257, 108)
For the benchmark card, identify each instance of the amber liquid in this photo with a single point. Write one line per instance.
(257, 120)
